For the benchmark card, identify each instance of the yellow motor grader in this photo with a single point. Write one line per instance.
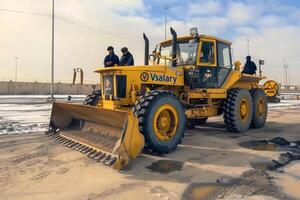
(188, 80)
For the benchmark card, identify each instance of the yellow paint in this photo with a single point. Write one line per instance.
(244, 109)
(165, 122)
(203, 111)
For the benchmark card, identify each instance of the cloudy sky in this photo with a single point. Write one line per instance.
(84, 29)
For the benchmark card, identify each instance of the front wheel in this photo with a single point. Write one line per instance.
(161, 120)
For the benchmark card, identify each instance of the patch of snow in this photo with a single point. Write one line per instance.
(284, 104)
(30, 99)
(24, 118)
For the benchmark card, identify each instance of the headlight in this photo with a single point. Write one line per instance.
(194, 31)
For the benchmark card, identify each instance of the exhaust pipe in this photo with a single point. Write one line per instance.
(75, 70)
(174, 46)
(146, 49)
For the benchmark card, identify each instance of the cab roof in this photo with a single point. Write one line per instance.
(183, 38)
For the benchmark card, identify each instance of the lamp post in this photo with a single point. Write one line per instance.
(248, 47)
(52, 55)
(166, 8)
(285, 66)
(16, 69)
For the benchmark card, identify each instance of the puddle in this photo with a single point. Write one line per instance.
(165, 166)
(199, 191)
(259, 145)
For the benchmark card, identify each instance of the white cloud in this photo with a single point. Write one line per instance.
(210, 7)
(240, 13)
(271, 20)
(245, 31)
(210, 24)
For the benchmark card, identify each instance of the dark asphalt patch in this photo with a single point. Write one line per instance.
(292, 152)
(165, 166)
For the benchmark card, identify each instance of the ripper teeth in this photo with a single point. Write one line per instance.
(111, 161)
(98, 156)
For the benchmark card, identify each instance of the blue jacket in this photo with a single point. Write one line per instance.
(127, 60)
(250, 67)
(112, 58)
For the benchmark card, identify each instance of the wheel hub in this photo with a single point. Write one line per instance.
(165, 122)
(244, 109)
(260, 107)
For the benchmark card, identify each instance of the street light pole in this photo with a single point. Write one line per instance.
(285, 66)
(52, 55)
(248, 47)
(16, 68)
(166, 8)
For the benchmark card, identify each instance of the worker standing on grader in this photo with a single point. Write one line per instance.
(127, 58)
(250, 66)
(111, 59)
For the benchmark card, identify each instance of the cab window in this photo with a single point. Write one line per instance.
(207, 52)
(224, 55)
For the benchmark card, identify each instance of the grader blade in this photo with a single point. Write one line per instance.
(108, 136)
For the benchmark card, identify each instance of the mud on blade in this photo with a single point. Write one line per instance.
(109, 136)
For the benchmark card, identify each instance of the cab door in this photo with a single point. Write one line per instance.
(214, 63)
(207, 62)
(224, 64)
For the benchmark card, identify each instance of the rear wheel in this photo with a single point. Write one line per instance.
(260, 108)
(93, 98)
(161, 120)
(238, 110)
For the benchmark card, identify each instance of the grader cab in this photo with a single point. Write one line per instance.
(188, 80)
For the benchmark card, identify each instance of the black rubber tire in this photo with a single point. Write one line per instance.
(259, 121)
(231, 110)
(144, 110)
(277, 99)
(93, 98)
(191, 123)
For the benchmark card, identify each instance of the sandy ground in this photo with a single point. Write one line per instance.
(209, 164)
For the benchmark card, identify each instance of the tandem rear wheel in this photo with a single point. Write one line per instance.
(244, 109)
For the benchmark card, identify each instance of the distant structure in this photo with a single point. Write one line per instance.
(39, 88)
